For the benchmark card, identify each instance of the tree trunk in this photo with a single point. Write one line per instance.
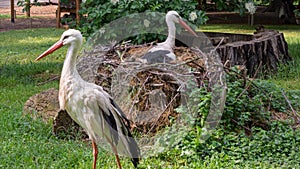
(12, 11)
(262, 55)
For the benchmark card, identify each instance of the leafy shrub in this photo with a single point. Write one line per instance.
(280, 145)
(100, 13)
(275, 96)
(248, 105)
(274, 148)
(265, 142)
(233, 5)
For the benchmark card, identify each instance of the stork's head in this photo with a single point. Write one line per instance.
(173, 16)
(70, 37)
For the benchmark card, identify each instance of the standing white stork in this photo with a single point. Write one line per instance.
(163, 52)
(90, 106)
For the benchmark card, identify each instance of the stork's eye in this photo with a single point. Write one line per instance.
(177, 16)
(66, 37)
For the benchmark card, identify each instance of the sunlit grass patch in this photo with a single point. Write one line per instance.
(23, 46)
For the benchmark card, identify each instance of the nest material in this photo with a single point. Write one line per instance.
(154, 93)
(120, 54)
(155, 96)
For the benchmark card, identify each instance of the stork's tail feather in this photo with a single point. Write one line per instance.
(132, 148)
(134, 151)
(135, 161)
(127, 141)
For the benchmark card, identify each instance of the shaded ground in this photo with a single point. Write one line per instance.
(41, 17)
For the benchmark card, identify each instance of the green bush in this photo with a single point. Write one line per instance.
(100, 13)
(249, 104)
(274, 148)
(233, 5)
(247, 136)
(280, 145)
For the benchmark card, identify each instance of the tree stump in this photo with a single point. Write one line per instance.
(261, 53)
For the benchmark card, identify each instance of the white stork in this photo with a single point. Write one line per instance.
(90, 106)
(163, 52)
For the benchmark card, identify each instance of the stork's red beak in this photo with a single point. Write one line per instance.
(187, 27)
(53, 48)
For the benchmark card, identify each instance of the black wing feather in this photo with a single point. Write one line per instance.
(120, 112)
(134, 149)
(111, 121)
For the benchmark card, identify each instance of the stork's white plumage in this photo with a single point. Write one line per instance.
(90, 106)
(163, 52)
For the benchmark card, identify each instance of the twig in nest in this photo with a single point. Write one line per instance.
(121, 54)
(49, 80)
(192, 61)
(135, 100)
(162, 112)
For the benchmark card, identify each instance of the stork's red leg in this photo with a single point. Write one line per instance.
(115, 152)
(95, 153)
(118, 160)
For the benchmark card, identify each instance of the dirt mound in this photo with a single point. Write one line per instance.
(44, 104)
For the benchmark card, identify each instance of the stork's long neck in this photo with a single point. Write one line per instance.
(171, 33)
(69, 68)
(69, 75)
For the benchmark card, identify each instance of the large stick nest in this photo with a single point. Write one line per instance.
(148, 94)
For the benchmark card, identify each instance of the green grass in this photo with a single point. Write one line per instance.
(28, 143)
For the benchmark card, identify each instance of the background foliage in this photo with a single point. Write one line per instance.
(100, 13)
(233, 5)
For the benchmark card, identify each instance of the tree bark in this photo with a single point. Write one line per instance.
(263, 54)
